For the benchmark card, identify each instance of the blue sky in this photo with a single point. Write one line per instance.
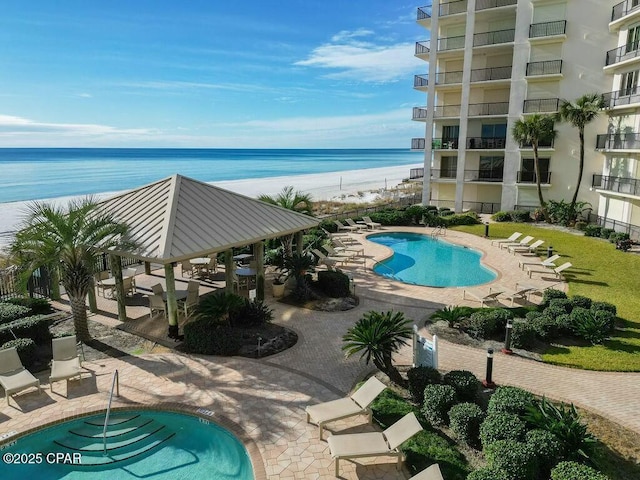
(206, 73)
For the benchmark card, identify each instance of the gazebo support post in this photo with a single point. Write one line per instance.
(258, 255)
(116, 271)
(172, 304)
(299, 241)
(229, 268)
(147, 268)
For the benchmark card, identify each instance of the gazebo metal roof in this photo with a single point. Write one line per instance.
(178, 218)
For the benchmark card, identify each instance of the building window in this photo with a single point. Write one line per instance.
(633, 39)
(629, 83)
(448, 167)
(494, 130)
(528, 171)
(491, 168)
(450, 134)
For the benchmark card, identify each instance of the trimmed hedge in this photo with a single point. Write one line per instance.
(465, 420)
(10, 312)
(501, 426)
(515, 459)
(419, 378)
(464, 383)
(334, 284)
(486, 322)
(546, 448)
(518, 216)
(487, 473)
(523, 333)
(575, 471)
(551, 293)
(592, 230)
(208, 338)
(35, 327)
(38, 306)
(26, 349)
(438, 400)
(252, 313)
(510, 400)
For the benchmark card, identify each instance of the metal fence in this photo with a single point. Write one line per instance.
(618, 226)
(38, 285)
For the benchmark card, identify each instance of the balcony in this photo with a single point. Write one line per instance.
(483, 175)
(619, 98)
(447, 173)
(446, 78)
(419, 113)
(543, 143)
(451, 8)
(541, 105)
(416, 173)
(530, 177)
(420, 82)
(618, 141)
(486, 109)
(488, 74)
(548, 29)
(548, 67)
(424, 13)
(624, 8)
(486, 4)
(442, 111)
(444, 144)
(423, 49)
(625, 186)
(493, 38)
(450, 43)
(417, 144)
(486, 143)
(623, 53)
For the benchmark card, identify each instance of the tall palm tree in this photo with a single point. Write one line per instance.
(532, 130)
(579, 114)
(71, 238)
(376, 336)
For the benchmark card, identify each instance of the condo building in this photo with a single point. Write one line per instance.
(493, 62)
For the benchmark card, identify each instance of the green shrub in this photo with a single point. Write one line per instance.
(487, 473)
(581, 226)
(618, 237)
(546, 447)
(26, 349)
(334, 284)
(217, 307)
(592, 231)
(564, 303)
(390, 217)
(605, 317)
(415, 213)
(580, 301)
(593, 328)
(438, 400)
(434, 220)
(252, 313)
(10, 312)
(624, 245)
(427, 447)
(419, 378)
(523, 334)
(464, 383)
(510, 400)
(446, 213)
(575, 471)
(520, 216)
(486, 322)
(546, 327)
(35, 327)
(464, 421)
(564, 324)
(606, 233)
(469, 218)
(501, 216)
(609, 307)
(38, 306)
(553, 311)
(501, 426)
(515, 459)
(532, 315)
(205, 337)
(551, 293)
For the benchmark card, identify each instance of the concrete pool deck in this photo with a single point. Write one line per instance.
(266, 398)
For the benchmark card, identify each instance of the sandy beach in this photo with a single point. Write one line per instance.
(342, 186)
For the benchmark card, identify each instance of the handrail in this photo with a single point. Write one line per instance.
(114, 383)
(386, 266)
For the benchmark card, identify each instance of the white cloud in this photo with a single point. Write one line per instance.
(346, 34)
(84, 95)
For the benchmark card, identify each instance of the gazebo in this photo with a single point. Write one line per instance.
(179, 218)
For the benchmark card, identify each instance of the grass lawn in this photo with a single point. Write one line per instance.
(600, 272)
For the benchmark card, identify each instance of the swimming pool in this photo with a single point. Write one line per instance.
(422, 260)
(141, 444)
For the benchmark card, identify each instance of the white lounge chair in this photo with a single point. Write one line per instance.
(334, 253)
(430, 473)
(13, 376)
(549, 262)
(353, 224)
(482, 297)
(374, 444)
(328, 261)
(556, 271)
(355, 404)
(522, 243)
(66, 362)
(521, 293)
(370, 223)
(514, 236)
(526, 248)
(345, 228)
(340, 246)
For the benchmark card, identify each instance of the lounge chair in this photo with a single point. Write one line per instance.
(13, 376)
(328, 261)
(549, 262)
(521, 293)
(482, 297)
(345, 228)
(334, 253)
(514, 236)
(65, 363)
(522, 243)
(339, 246)
(429, 473)
(526, 248)
(556, 271)
(353, 224)
(355, 404)
(370, 223)
(374, 444)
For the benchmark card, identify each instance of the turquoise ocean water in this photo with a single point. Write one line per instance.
(34, 173)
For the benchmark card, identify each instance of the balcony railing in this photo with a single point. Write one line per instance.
(484, 4)
(618, 141)
(450, 8)
(617, 225)
(530, 177)
(444, 144)
(424, 12)
(420, 81)
(486, 143)
(483, 109)
(493, 38)
(416, 173)
(548, 67)
(417, 144)
(450, 43)
(423, 48)
(419, 113)
(483, 175)
(543, 143)
(623, 8)
(541, 105)
(547, 29)
(446, 111)
(444, 78)
(625, 52)
(486, 74)
(630, 186)
(444, 173)
(626, 96)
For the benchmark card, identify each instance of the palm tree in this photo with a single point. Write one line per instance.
(532, 130)
(452, 315)
(377, 336)
(579, 114)
(71, 238)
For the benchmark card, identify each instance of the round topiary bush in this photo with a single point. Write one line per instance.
(501, 216)
(581, 301)
(551, 293)
(510, 400)
(465, 420)
(516, 459)
(464, 383)
(575, 471)
(501, 426)
(546, 447)
(487, 473)
(26, 349)
(523, 333)
(564, 303)
(546, 327)
(420, 377)
(604, 306)
(438, 400)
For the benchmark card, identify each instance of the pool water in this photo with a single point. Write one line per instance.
(422, 260)
(141, 444)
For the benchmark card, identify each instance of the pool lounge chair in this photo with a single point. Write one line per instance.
(549, 262)
(355, 404)
(370, 223)
(526, 248)
(521, 293)
(345, 228)
(522, 243)
(328, 261)
(353, 224)
(374, 444)
(334, 253)
(556, 271)
(340, 246)
(482, 297)
(429, 473)
(514, 236)
(13, 376)
(66, 363)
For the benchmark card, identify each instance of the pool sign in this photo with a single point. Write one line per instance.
(425, 351)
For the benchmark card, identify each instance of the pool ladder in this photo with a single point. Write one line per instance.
(393, 273)
(441, 230)
(115, 383)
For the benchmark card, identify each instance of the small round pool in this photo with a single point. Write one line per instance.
(422, 260)
(147, 444)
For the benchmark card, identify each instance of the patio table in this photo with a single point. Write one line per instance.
(180, 295)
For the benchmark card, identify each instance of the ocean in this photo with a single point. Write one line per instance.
(36, 173)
